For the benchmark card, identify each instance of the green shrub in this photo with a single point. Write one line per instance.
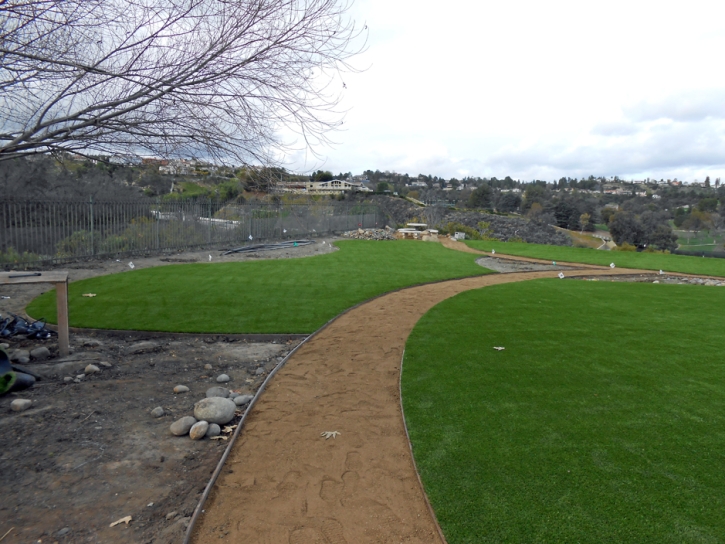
(11, 256)
(625, 247)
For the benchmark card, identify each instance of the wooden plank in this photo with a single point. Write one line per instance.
(12, 278)
(61, 289)
(60, 279)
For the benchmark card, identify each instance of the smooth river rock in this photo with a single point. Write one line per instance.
(40, 353)
(158, 411)
(181, 389)
(241, 400)
(213, 430)
(198, 430)
(182, 426)
(222, 378)
(217, 391)
(215, 410)
(20, 405)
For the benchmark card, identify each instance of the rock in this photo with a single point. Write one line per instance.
(259, 371)
(64, 531)
(182, 426)
(207, 366)
(23, 360)
(241, 400)
(198, 430)
(213, 430)
(222, 378)
(215, 410)
(143, 347)
(20, 405)
(4, 346)
(68, 379)
(40, 353)
(233, 395)
(80, 376)
(181, 389)
(158, 411)
(217, 391)
(105, 364)
(170, 516)
(92, 369)
(20, 354)
(92, 343)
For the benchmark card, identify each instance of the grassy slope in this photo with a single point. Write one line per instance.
(270, 296)
(602, 421)
(623, 259)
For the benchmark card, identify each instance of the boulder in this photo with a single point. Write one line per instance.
(215, 410)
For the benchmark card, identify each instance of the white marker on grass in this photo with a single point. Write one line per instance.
(611, 265)
(561, 275)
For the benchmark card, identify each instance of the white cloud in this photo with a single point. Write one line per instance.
(536, 89)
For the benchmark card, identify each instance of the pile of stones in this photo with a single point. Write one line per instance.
(371, 234)
(219, 407)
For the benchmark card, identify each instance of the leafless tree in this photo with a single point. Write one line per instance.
(216, 79)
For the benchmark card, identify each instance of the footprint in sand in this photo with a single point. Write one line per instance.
(332, 529)
(306, 535)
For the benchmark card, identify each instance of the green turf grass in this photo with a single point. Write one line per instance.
(269, 296)
(622, 259)
(603, 420)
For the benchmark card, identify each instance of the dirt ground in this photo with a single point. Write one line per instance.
(87, 454)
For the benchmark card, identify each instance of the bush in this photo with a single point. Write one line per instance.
(625, 247)
(11, 256)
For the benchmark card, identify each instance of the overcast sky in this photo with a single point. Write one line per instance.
(535, 89)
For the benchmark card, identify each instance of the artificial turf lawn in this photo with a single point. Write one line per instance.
(603, 420)
(268, 296)
(622, 259)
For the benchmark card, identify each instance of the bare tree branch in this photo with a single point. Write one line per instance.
(201, 78)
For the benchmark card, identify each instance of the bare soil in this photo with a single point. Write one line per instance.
(87, 454)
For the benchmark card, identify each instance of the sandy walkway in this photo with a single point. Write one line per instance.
(283, 483)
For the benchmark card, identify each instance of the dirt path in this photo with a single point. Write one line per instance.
(284, 483)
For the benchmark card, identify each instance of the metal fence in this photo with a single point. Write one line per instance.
(38, 232)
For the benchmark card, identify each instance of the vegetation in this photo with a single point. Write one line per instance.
(270, 296)
(642, 260)
(574, 432)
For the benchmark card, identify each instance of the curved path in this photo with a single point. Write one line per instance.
(284, 483)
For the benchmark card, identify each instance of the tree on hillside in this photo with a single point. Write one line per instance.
(200, 78)
(322, 175)
(626, 228)
(481, 197)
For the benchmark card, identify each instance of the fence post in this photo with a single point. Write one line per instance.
(93, 245)
(158, 222)
(209, 231)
